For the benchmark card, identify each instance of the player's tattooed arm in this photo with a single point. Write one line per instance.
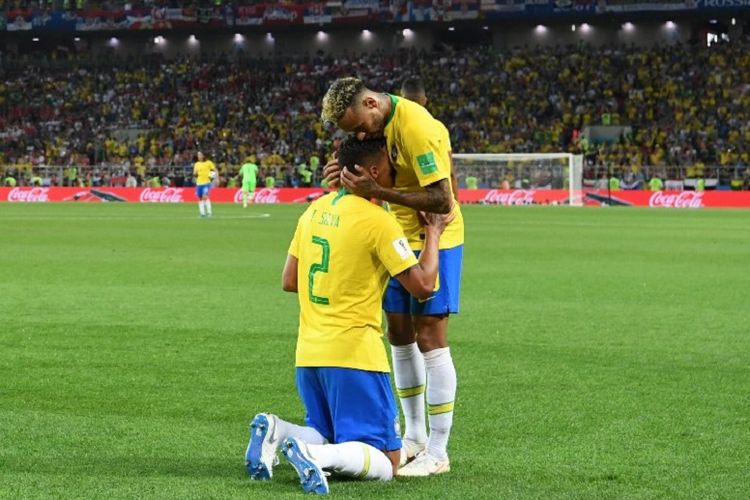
(436, 197)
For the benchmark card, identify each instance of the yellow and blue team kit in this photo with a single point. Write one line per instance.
(346, 248)
(420, 150)
(202, 172)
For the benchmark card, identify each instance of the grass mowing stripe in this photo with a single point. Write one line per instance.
(600, 353)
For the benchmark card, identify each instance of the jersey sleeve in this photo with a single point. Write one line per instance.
(446, 136)
(427, 150)
(391, 246)
(294, 245)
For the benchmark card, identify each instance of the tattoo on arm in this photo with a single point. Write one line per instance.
(435, 198)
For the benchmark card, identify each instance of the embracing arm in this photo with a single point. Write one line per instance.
(436, 197)
(289, 275)
(419, 280)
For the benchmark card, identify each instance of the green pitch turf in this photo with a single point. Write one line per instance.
(601, 353)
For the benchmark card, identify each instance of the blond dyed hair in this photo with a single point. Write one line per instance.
(340, 96)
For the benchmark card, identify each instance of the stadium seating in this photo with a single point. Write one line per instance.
(149, 116)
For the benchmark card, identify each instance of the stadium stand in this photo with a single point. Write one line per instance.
(149, 116)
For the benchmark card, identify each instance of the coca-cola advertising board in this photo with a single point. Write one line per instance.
(154, 195)
(665, 199)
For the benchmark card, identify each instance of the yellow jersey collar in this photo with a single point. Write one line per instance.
(394, 101)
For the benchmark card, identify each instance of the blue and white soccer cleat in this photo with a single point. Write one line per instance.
(311, 476)
(260, 456)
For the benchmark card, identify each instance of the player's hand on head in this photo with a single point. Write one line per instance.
(437, 222)
(332, 172)
(360, 183)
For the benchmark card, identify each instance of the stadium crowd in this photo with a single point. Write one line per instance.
(57, 5)
(687, 109)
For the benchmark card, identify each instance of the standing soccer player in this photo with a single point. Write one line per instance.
(414, 90)
(249, 173)
(420, 150)
(204, 172)
(343, 250)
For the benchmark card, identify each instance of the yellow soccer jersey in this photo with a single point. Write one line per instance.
(201, 171)
(419, 148)
(346, 248)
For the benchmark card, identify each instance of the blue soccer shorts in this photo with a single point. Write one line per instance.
(201, 190)
(443, 301)
(345, 404)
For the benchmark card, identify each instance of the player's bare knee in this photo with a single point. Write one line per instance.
(401, 337)
(400, 329)
(432, 332)
(427, 344)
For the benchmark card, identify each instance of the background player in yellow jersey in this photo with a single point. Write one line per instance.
(343, 250)
(204, 172)
(420, 150)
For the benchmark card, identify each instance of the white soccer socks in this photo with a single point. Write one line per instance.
(286, 429)
(410, 377)
(441, 393)
(204, 207)
(353, 459)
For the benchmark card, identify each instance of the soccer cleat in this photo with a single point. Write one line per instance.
(409, 450)
(425, 464)
(260, 456)
(311, 476)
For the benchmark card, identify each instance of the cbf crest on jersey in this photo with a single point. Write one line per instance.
(394, 154)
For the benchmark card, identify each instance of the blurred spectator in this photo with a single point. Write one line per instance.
(82, 112)
(655, 184)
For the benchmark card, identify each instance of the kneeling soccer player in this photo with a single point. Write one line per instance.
(343, 250)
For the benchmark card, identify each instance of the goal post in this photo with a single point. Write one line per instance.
(527, 171)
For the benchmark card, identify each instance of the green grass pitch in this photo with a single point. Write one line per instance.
(601, 353)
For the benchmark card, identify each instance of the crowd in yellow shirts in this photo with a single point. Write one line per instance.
(688, 109)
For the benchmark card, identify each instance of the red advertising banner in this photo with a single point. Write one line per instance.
(668, 199)
(153, 195)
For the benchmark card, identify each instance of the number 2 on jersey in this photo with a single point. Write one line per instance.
(321, 267)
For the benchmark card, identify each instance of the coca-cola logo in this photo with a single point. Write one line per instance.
(267, 195)
(29, 195)
(517, 197)
(685, 199)
(166, 195)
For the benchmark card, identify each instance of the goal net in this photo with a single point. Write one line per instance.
(527, 172)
